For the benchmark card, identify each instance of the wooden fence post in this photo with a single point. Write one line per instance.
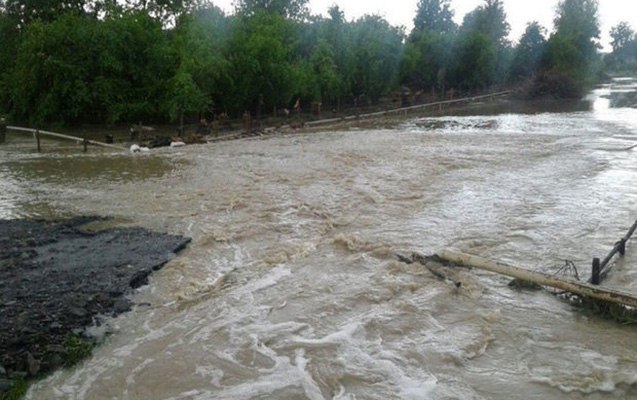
(37, 140)
(595, 279)
(543, 279)
(3, 130)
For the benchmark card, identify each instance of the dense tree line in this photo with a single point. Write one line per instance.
(623, 59)
(109, 61)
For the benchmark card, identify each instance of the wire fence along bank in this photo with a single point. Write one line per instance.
(38, 133)
(405, 110)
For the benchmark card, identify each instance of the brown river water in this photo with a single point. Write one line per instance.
(291, 288)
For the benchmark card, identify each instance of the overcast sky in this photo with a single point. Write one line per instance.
(519, 12)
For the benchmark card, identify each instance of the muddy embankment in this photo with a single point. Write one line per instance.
(59, 277)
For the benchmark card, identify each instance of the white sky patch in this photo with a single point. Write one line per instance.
(519, 12)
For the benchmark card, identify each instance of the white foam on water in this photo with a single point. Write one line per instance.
(77, 384)
(283, 374)
(214, 374)
(265, 282)
(593, 373)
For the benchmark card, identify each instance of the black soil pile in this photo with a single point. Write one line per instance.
(56, 278)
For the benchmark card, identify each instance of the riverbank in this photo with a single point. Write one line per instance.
(58, 278)
(222, 129)
(385, 115)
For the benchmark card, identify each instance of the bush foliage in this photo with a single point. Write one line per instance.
(101, 61)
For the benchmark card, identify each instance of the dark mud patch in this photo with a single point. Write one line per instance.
(59, 277)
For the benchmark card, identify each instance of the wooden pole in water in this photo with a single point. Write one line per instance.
(622, 247)
(540, 278)
(3, 130)
(37, 140)
(605, 264)
(595, 278)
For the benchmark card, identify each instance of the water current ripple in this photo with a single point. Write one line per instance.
(290, 289)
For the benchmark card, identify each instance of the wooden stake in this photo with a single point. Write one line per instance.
(620, 247)
(595, 273)
(37, 140)
(540, 278)
(3, 130)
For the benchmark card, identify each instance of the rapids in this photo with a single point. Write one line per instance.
(291, 288)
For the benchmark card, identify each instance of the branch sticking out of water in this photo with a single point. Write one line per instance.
(613, 304)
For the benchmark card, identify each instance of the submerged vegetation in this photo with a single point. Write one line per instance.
(103, 61)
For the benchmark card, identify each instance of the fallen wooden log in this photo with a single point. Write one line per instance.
(540, 278)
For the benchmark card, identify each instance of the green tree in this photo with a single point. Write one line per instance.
(426, 60)
(185, 97)
(261, 53)
(529, 52)
(49, 81)
(199, 42)
(579, 20)
(25, 11)
(79, 69)
(326, 48)
(572, 49)
(338, 33)
(434, 16)
(135, 67)
(337, 15)
(10, 38)
(427, 51)
(624, 55)
(294, 9)
(482, 52)
(105, 8)
(621, 34)
(164, 10)
(490, 20)
(377, 48)
(324, 69)
(474, 63)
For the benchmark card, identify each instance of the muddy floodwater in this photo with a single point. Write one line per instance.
(291, 288)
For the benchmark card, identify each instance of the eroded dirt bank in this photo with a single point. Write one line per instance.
(58, 277)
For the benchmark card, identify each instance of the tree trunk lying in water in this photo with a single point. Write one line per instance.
(540, 278)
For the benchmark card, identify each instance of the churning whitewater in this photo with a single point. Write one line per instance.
(291, 288)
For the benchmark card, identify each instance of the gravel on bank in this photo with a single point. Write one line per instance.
(58, 277)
